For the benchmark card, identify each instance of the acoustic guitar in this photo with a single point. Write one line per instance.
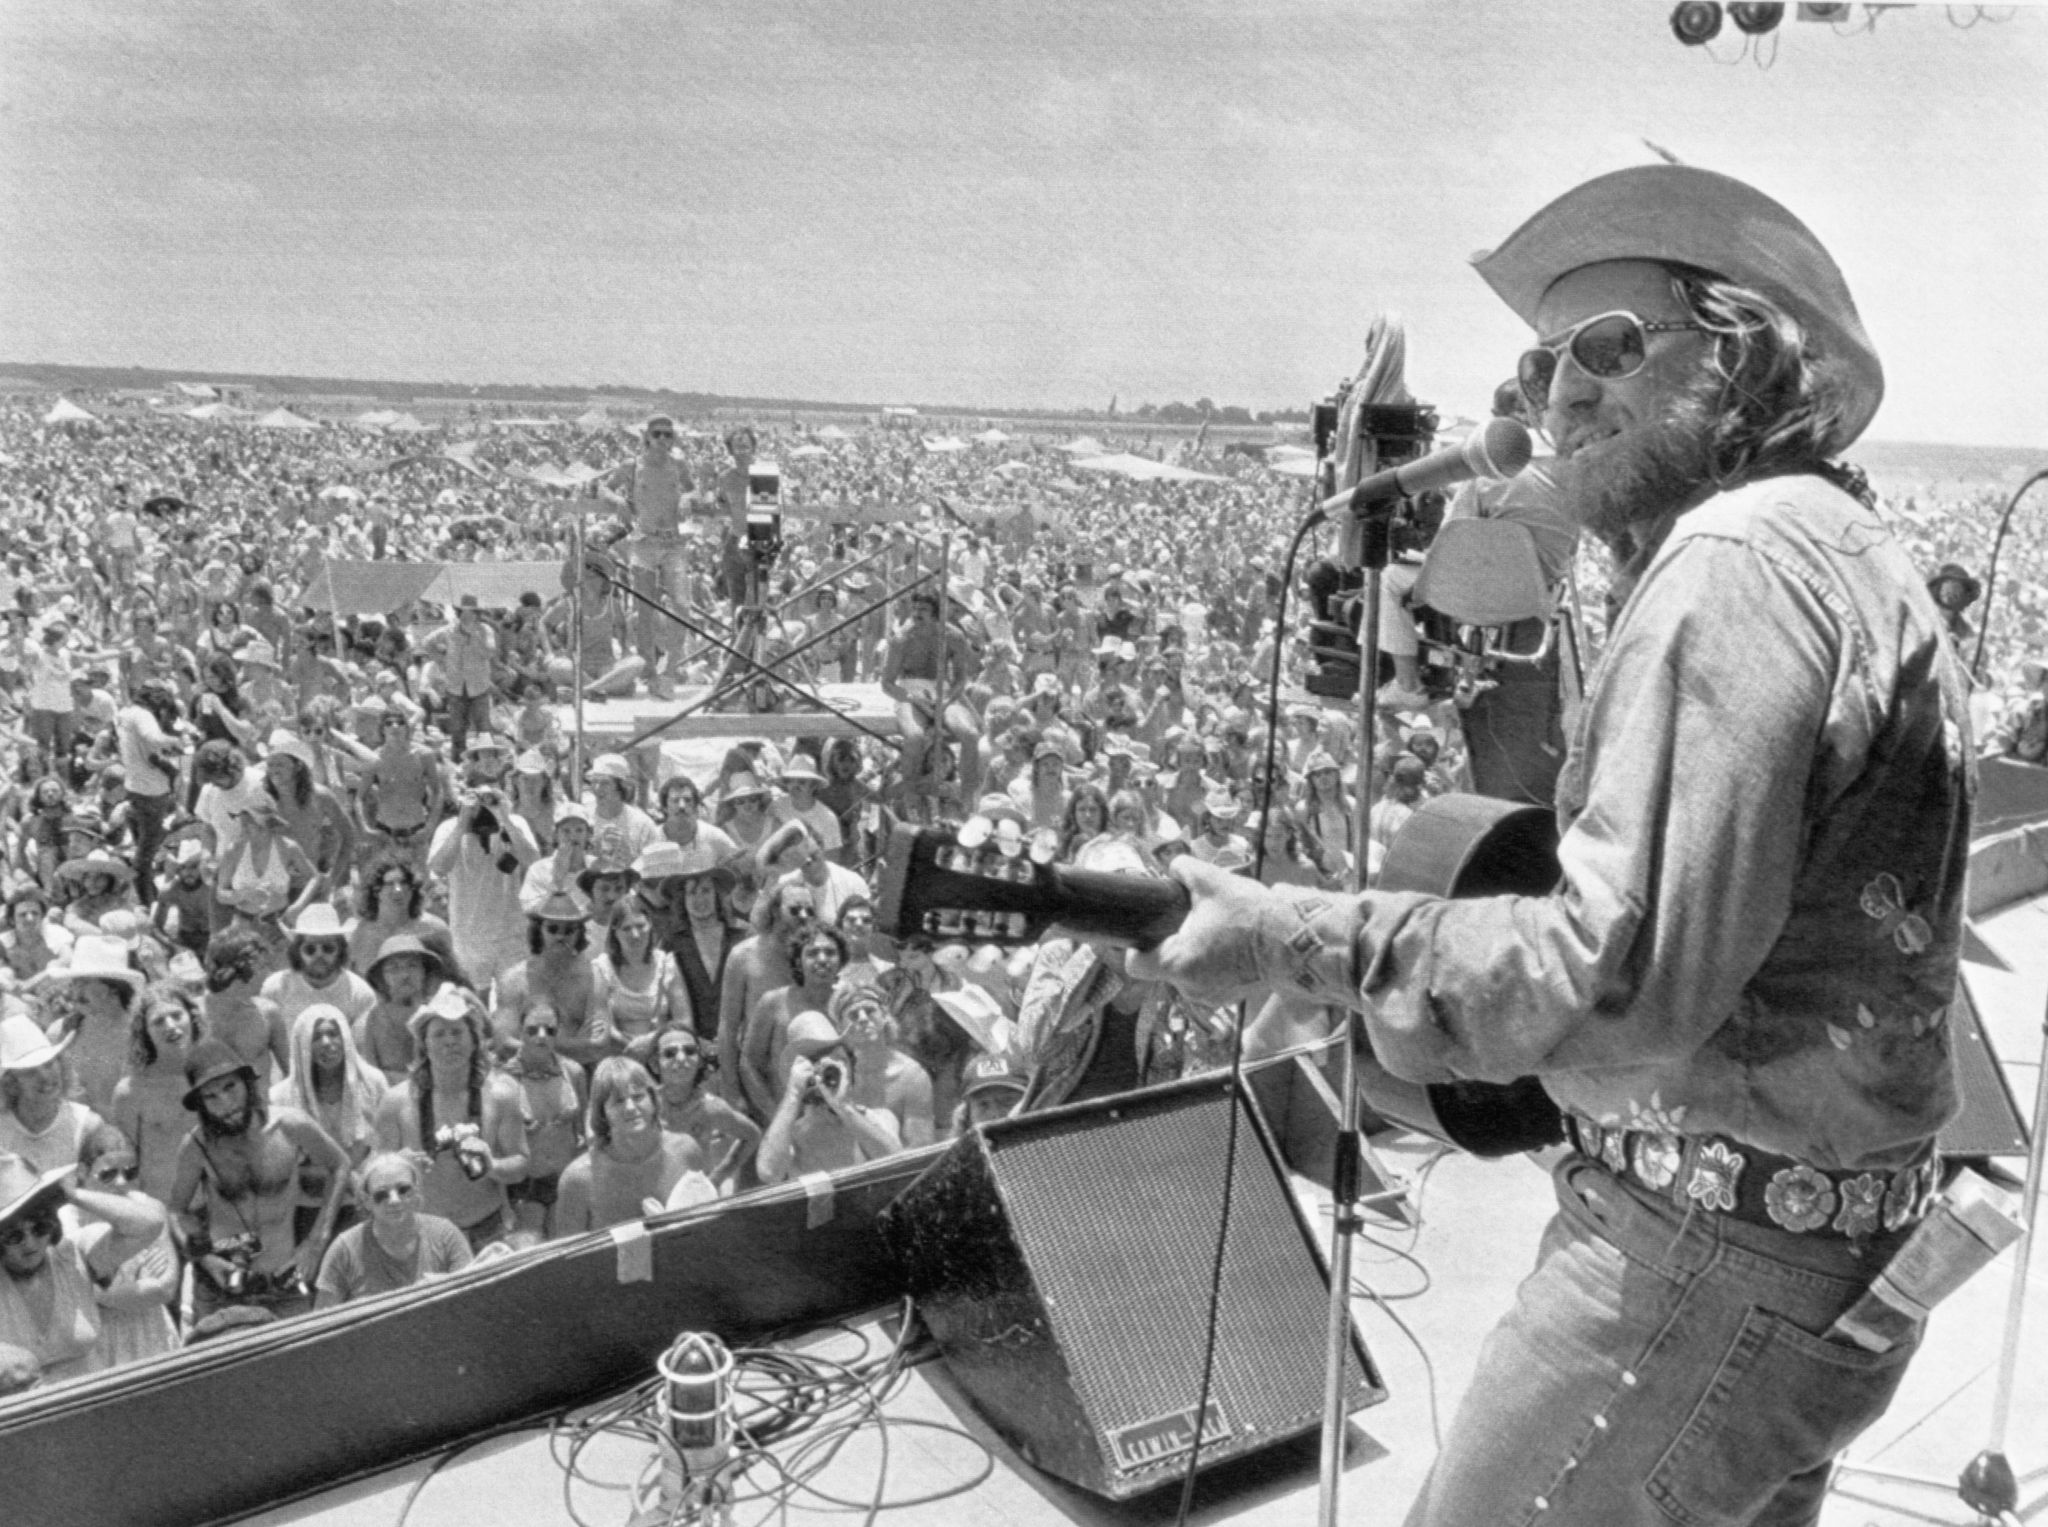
(968, 884)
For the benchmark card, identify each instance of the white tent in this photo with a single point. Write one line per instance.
(284, 418)
(810, 450)
(593, 418)
(406, 424)
(1087, 445)
(209, 411)
(341, 491)
(64, 411)
(376, 418)
(943, 444)
(198, 390)
(992, 437)
(1143, 469)
(833, 432)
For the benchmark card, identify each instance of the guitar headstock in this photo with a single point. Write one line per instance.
(980, 882)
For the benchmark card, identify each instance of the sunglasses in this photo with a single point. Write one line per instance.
(680, 1053)
(561, 930)
(536, 1030)
(45, 1229)
(1609, 346)
(332, 946)
(392, 1194)
(113, 1174)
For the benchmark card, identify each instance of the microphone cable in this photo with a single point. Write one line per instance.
(1235, 1091)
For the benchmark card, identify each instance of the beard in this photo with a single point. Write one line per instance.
(216, 1128)
(1617, 488)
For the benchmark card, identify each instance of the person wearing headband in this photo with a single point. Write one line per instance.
(1737, 996)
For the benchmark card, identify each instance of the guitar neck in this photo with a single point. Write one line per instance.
(1123, 909)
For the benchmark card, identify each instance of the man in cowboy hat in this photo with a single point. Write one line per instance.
(403, 975)
(247, 1158)
(557, 971)
(619, 829)
(49, 1287)
(483, 852)
(685, 891)
(799, 802)
(467, 650)
(316, 968)
(103, 982)
(1954, 591)
(1737, 994)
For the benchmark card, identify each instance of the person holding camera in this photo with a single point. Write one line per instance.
(817, 1126)
(463, 1121)
(240, 1164)
(483, 851)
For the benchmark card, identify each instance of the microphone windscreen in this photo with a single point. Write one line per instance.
(1499, 448)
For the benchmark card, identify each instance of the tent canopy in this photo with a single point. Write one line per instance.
(64, 411)
(1144, 469)
(378, 588)
(284, 418)
(198, 390)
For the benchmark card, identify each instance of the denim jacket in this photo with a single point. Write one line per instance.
(1765, 821)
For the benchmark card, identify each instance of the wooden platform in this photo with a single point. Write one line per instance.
(616, 721)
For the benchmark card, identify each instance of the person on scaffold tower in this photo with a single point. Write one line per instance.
(911, 677)
(652, 487)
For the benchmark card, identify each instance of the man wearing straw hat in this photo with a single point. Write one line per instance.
(1737, 996)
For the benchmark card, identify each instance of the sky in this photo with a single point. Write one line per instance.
(982, 204)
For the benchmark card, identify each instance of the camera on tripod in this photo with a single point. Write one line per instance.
(764, 511)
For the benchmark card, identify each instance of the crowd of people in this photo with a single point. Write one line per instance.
(331, 963)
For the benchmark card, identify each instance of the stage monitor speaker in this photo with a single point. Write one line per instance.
(1062, 1260)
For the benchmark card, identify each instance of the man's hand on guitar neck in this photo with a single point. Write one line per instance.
(1243, 939)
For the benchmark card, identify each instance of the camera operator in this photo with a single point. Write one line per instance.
(483, 852)
(241, 1163)
(818, 1127)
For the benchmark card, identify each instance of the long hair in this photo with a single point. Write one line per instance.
(1072, 835)
(141, 1047)
(611, 1076)
(301, 786)
(1782, 404)
(357, 1113)
(386, 863)
(421, 1077)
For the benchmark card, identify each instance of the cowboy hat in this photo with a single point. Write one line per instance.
(740, 786)
(23, 1189)
(603, 869)
(399, 945)
(259, 654)
(24, 1046)
(1678, 214)
(573, 811)
(450, 1002)
(561, 907)
(94, 957)
(663, 860)
(610, 766)
(1224, 808)
(210, 1060)
(320, 920)
(811, 1034)
(801, 767)
(290, 745)
(1950, 572)
(98, 862)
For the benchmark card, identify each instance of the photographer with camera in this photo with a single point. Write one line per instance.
(463, 1121)
(483, 852)
(818, 1127)
(241, 1163)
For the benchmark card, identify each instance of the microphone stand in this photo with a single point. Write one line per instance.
(1991, 574)
(1364, 541)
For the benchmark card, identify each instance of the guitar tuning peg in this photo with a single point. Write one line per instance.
(974, 832)
(1045, 846)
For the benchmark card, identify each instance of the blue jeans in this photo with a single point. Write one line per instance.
(1662, 1367)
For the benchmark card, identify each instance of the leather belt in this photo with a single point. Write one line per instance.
(1716, 1175)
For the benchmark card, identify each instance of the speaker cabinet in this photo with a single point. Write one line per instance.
(1062, 1260)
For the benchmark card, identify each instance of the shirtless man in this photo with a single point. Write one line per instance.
(403, 976)
(819, 1127)
(247, 1158)
(883, 1076)
(552, 1093)
(650, 490)
(910, 677)
(759, 966)
(633, 1164)
(401, 793)
(732, 493)
(557, 970)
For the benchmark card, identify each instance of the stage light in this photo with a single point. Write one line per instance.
(1696, 22)
(1755, 19)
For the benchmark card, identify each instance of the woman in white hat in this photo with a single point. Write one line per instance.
(96, 986)
(38, 1121)
(149, 1102)
(92, 886)
(265, 877)
(743, 809)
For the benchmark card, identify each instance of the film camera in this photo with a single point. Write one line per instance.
(764, 511)
(241, 1280)
(452, 1137)
(830, 1081)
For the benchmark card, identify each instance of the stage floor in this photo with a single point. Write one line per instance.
(1447, 1281)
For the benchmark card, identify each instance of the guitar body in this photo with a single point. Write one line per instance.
(1473, 845)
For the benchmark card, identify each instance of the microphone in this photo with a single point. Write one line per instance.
(1500, 449)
